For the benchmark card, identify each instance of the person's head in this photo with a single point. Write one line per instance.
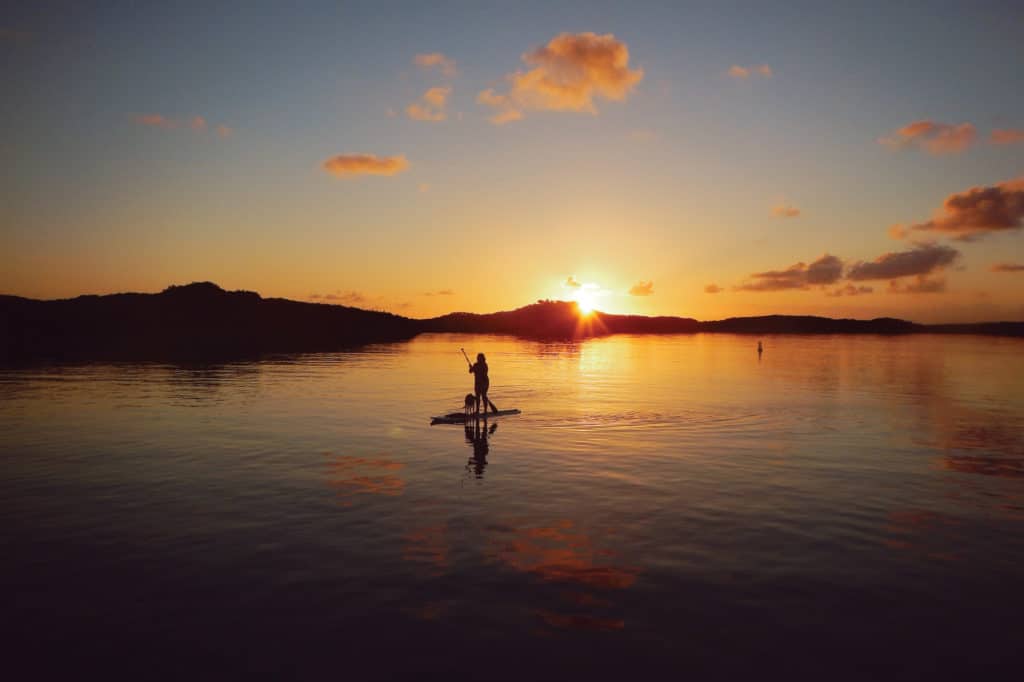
(480, 357)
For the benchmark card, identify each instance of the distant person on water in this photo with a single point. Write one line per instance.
(760, 348)
(481, 382)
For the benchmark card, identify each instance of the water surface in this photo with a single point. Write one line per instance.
(841, 506)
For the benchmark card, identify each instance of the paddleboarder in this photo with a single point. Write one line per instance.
(481, 382)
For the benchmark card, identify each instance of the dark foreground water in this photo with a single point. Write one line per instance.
(844, 507)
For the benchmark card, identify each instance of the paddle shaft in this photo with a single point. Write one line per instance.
(466, 356)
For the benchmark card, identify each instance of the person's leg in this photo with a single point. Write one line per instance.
(494, 408)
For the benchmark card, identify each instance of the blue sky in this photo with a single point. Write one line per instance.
(674, 183)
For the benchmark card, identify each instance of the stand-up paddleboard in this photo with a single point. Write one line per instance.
(462, 417)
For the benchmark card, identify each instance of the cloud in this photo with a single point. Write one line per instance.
(156, 121)
(923, 259)
(970, 215)
(224, 131)
(439, 292)
(347, 297)
(15, 37)
(642, 135)
(826, 270)
(423, 187)
(642, 288)
(920, 285)
(571, 283)
(712, 289)
(1007, 136)
(785, 211)
(445, 65)
(198, 123)
(567, 74)
(431, 106)
(850, 290)
(352, 165)
(933, 137)
(1007, 267)
(745, 72)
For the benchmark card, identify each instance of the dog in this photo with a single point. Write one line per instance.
(470, 404)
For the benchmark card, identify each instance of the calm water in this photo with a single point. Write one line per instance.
(845, 506)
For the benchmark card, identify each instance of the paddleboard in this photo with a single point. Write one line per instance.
(460, 417)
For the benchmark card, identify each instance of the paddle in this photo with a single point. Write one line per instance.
(466, 356)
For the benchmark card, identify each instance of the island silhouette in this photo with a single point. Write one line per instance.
(203, 321)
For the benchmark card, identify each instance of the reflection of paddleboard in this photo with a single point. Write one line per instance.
(461, 417)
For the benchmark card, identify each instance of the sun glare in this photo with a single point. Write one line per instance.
(585, 301)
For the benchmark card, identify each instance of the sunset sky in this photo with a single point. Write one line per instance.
(696, 159)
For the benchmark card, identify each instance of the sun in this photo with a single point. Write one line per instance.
(585, 302)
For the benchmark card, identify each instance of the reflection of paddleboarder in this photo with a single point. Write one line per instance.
(481, 382)
(477, 435)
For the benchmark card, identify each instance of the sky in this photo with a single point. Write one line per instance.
(660, 158)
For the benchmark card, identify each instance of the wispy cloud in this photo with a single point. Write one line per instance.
(224, 131)
(850, 290)
(1007, 136)
(826, 270)
(567, 74)
(353, 165)
(351, 297)
(436, 60)
(1007, 267)
(785, 211)
(933, 137)
(745, 72)
(439, 292)
(922, 260)
(918, 285)
(13, 36)
(156, 121)
(198, 123)
(642, 135)
(571, 283)
(975, 213)
(712, 289)
(430, 106)
(642, 288)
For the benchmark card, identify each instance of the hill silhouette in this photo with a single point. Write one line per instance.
(203, 321)
(198, 320)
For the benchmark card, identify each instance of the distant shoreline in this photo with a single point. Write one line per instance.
(201, 320)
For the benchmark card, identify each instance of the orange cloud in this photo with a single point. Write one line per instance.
(1007, 267)
(572, 283)
(431, 106)
(352, 165)
(197, 123)
(568, 74)
(978, 211)
(826, 270)
(785, 211)
(712, 289)
(920, 285)
(744, 72)
(156, 121)
(850, 290)
(922, 260)
(642, 288)
(431, 60)
(224, 131)
(1007, 136)
(934, 138)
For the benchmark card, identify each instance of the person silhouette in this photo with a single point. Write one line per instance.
(481, 383)
(760, 349)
